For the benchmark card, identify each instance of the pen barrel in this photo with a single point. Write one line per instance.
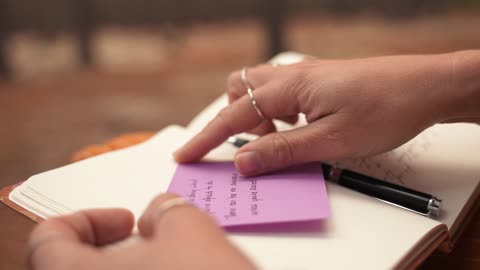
(395, 194)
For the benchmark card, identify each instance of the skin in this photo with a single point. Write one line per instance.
(354, 108)
(181, 238)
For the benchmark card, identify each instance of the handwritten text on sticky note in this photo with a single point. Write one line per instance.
(292, 195)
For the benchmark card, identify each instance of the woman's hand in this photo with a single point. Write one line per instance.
(181, 237)
(354, 108)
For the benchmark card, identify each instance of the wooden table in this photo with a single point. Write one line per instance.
(43, 123)
(83, 18)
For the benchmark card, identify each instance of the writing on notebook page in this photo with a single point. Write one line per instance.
(394, 166)
(296, 194)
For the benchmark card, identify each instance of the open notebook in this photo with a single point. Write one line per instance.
(362, 232)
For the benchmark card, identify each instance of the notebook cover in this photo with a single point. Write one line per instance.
(119, 142)
(4, 198)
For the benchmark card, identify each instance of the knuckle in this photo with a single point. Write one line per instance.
(296, 87)
(283, 151)
(336, 142)
(82, 225)
(298, 81)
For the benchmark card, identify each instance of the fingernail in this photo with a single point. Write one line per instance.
(248, 162)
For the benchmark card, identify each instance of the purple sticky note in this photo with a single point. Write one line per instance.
(294, 195)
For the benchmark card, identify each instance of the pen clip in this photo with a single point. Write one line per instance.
(399, 206)
(433, 207)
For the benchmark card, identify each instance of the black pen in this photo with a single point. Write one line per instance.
(409, 199)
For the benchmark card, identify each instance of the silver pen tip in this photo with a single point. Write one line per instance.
(434, 206)
(231, 139)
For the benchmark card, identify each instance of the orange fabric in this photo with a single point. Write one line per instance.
(116, 143)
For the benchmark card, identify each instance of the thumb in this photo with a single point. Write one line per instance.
(314, 142)
(62, 242)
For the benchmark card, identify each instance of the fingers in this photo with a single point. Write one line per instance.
(157, 218)
(233, 119)
(257, 77)
(265, 127)
(61, 241)
(291, 119)
(239, 117)
(317, 141)
(95, 227)
(181, 231)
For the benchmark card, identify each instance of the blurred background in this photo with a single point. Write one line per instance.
(79, 72)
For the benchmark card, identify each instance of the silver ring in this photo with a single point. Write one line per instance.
(169, 204)
(250, 92)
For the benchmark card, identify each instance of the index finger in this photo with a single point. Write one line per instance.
(238, 117)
